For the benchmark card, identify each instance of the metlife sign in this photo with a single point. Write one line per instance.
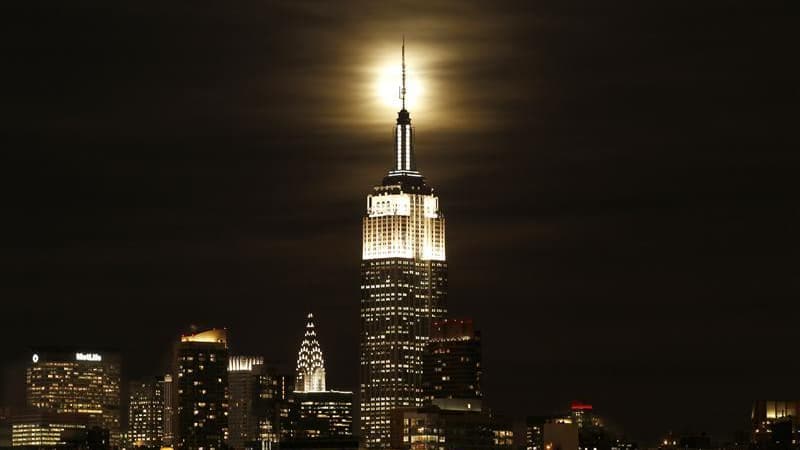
(88, 357)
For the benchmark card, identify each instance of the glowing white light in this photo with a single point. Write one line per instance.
(310, 375)
(399, 154)
(408, 146)
(244, 363)
(387, 86)
(403, 226)
(389, 205)
(88, 357)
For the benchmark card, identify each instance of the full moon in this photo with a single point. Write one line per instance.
(388, 80)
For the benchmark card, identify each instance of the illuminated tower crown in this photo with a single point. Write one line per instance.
(403, 134)
(310, 365)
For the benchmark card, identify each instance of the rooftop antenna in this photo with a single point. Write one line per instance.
(403, 87)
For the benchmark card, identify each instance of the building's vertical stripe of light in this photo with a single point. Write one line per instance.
(399, 150)
(408, 146)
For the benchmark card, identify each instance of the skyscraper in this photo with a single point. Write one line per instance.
(168, 439)
(61, 380)
(452, 363)
(310, 365)
(403, 286)
(271, 406)
(244, 373)
(775, 424)
(201, 371)
(317, 414)
(146, 413)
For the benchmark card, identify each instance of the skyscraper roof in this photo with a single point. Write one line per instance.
(218, 335)
(310, 364)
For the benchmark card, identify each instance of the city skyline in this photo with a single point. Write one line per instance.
(617, 190)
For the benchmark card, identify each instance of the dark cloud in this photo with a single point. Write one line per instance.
(618, 182)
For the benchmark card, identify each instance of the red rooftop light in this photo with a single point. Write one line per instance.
(578, 406)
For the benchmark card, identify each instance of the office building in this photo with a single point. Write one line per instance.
(534, 432)
(77, 380)
(201, 377)
(324, 415)
(5, 427)
(403, 287)
(146, 413)
(36, 427)
(244, 381)
(502, 432)
(560, 435)
(775, 424)
(272, 406)
(433, 428)
(582, 415)
(452, 363)
(168, 427)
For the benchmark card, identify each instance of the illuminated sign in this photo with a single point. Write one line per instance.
(35, 358)
(88, 357)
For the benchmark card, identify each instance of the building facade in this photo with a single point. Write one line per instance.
(201, 378)
(81, 381)
(433, 428)
(775, 424)
(560, 436)
(403, 287)
(146, 413)
(259, 403)
(452, 363)
(168, 428)
(590, 433)
(244, 374)
(272, 406)
(37, 428)
(324, 415)
(5, 426)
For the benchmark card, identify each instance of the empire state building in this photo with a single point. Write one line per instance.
(403, 286)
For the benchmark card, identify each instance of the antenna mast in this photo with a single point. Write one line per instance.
(403, 87)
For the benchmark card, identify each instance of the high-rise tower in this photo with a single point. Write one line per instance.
(146, 413)
(77, 381)
(310, 365)
(403, 286)
(244, 373)
(201, 374)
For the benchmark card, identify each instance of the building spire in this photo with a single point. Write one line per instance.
(403, 86)
(310, 375)
(404, 153)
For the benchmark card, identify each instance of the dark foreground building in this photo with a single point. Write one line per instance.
(432, 428)
(775, 425)
(452, 363)
(201, 377)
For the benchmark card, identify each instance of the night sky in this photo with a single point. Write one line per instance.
(619, 181)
